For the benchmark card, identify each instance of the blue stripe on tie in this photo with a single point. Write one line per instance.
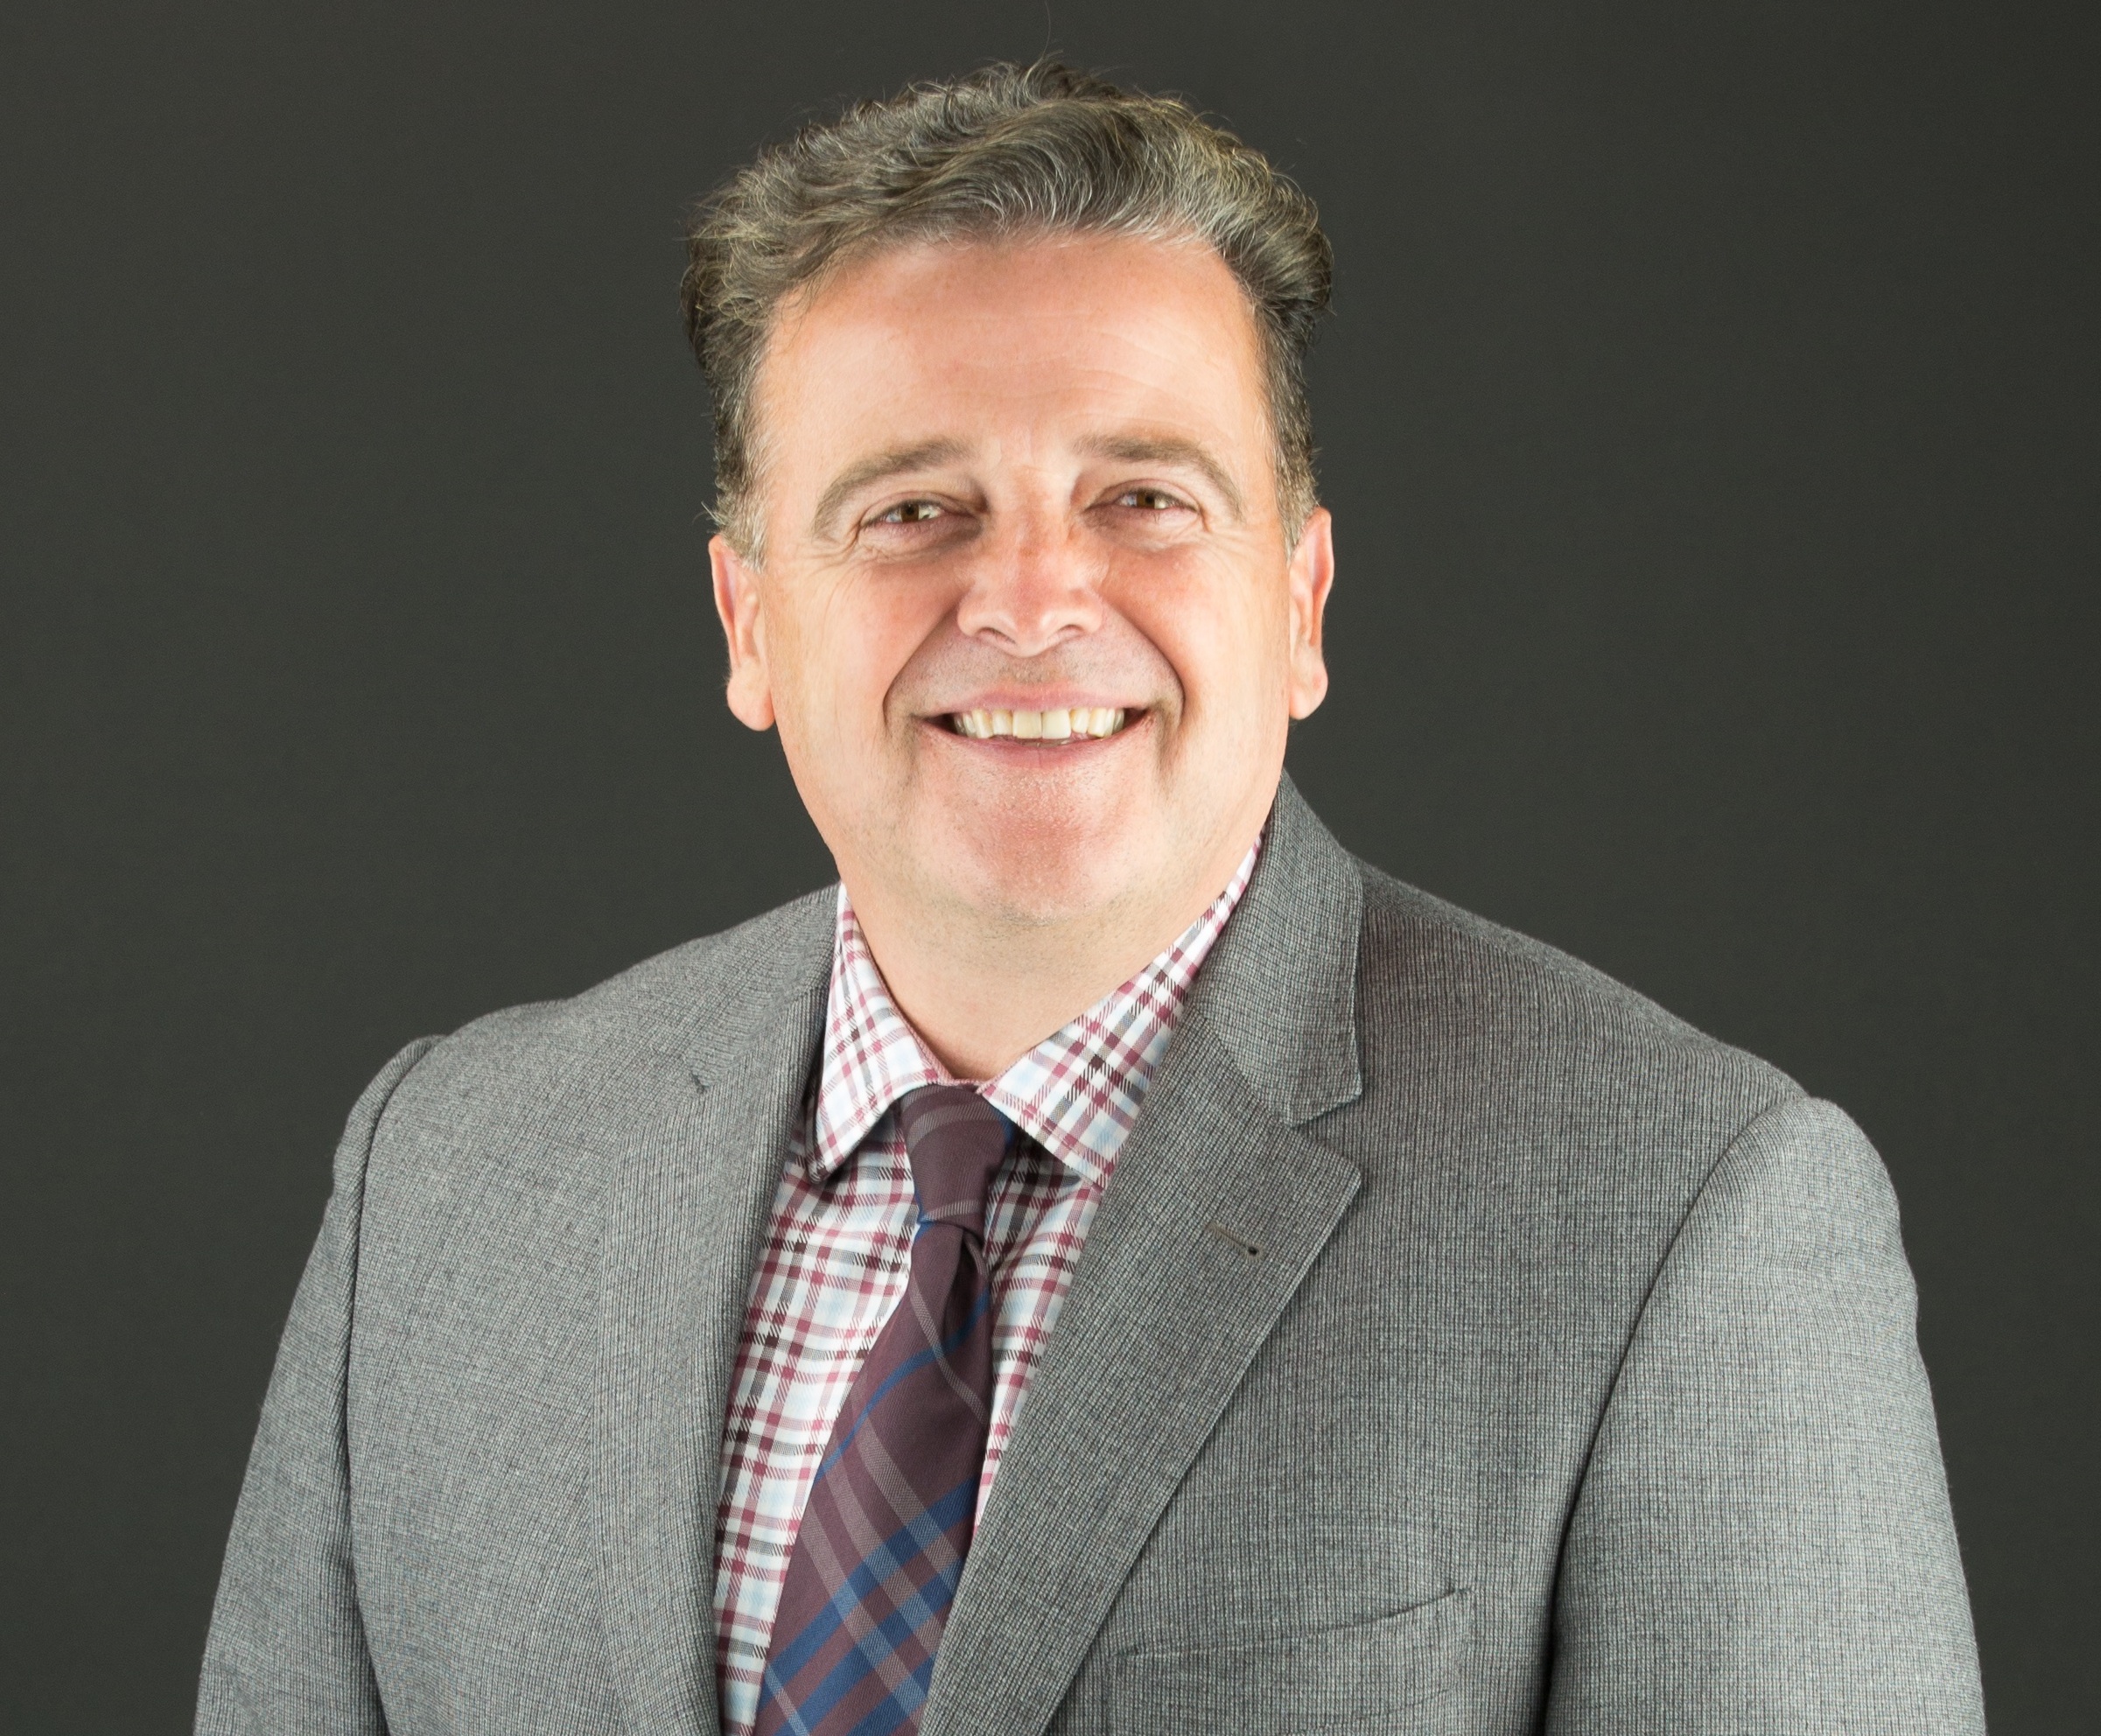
(893, 1710)
(912, 1364)
(859, 1665)
(785, 1663)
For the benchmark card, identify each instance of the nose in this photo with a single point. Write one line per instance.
(1032, 587)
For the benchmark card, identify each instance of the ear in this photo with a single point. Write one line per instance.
(737, 600)
(1311, 574)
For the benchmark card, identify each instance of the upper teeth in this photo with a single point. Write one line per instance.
(1056, 725)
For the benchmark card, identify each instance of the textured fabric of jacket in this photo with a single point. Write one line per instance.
(1463, 1345)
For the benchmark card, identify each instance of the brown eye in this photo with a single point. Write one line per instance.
(910, 512)
(1148, 500)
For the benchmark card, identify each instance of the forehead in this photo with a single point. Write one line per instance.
(1043, 342)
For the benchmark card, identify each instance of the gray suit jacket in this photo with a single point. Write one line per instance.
(1464, 1344)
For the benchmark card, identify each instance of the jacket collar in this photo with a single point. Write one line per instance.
(1280, 989)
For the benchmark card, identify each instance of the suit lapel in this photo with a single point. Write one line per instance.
(1216, 1212)
(704, 1139)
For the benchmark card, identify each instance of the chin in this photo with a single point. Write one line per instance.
(1045, 869)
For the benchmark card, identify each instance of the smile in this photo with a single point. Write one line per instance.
(1081, 723)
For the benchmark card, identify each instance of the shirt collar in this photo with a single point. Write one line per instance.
(1076, 1093)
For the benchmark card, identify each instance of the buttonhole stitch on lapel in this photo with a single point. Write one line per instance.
(1252, 1249)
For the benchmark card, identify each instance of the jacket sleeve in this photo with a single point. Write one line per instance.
(1763, 1540)
(287, 1648)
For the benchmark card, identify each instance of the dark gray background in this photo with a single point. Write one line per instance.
(1710, 419)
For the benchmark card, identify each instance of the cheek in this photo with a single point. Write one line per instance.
(1224, 632)
(845, 645)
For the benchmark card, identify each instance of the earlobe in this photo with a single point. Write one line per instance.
(736, 601)
(1311, 576)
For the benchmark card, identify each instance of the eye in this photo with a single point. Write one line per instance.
(1148, 500)
(912, 512)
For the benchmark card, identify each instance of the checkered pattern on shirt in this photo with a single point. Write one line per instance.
(838, 1249)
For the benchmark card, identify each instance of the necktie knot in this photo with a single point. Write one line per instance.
(954, 1140)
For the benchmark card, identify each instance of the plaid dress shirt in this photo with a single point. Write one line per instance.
(839, 1246)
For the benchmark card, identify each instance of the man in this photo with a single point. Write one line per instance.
(1116, 1263)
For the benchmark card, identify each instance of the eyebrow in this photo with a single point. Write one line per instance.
(857, 475)
(1167, 449)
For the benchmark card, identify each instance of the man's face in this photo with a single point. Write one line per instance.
(1028, 618)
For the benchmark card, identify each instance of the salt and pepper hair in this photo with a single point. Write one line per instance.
(1006, 153)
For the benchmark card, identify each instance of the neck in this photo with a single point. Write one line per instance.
(983, 989)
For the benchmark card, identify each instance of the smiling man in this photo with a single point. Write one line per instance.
(1115, 1263)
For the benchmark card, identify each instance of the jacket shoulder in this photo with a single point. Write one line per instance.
(495, 1089)
(1407, 927)
(1535, 1053)
(667, 1003)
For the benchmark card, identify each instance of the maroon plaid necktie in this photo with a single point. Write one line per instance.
(888, 1522)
